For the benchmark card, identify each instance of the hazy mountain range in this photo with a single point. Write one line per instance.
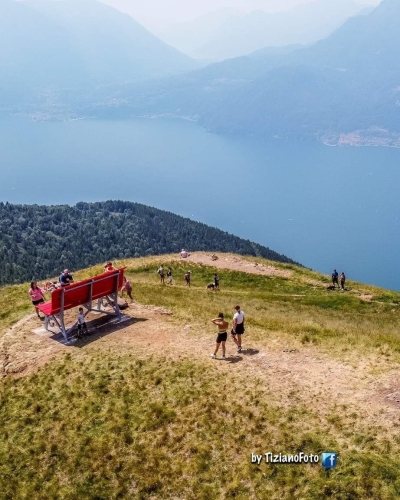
(79, 42)
(343, 88)
(228, 33)
(85, 59)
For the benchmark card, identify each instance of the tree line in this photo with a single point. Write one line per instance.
(37, 242)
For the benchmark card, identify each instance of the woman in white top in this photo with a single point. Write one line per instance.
(238, 328)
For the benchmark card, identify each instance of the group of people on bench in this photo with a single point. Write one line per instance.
(36, 292)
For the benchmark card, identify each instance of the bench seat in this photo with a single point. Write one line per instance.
(46, 309)
(83, 293)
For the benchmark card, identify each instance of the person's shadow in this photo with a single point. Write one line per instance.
(249, 352)
(234, 359)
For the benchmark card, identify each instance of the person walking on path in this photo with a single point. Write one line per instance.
(184, 254)
(36, 295)
(335, 278)
(342, 281)
(169, 276)
(82, 326)
(188, 277)
(126, 287)
(161, 274)
(238, 328)
(222, 334)
(216, 281)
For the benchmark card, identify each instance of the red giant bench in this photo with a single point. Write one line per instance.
(104, 286)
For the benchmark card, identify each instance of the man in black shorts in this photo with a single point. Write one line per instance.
(238, 328)
(222, 334)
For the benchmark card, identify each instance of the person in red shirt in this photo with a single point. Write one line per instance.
(109, 267)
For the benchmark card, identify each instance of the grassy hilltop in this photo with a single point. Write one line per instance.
(140, 411)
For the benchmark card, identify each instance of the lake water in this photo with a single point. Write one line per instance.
(324, 207)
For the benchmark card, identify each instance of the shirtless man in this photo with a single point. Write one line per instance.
(238, 328)
(222, 334)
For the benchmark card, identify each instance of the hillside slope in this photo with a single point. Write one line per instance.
(40, 241)
(139, 410)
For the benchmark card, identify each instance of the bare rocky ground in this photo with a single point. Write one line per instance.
(235, 263)
(294, 375)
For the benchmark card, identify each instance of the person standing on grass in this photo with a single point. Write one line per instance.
(238, 328)
(126, 287)
(82, 326)
(169, 276)
(161, 273)
(188, 277)
(342, 281)
(335, 278)
(222, 334)
(36, 295)
(216, 281)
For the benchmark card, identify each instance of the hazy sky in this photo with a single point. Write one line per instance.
(156, 14)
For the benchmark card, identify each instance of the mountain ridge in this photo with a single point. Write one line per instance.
(345, 84)
(68, 44)
(39, 241)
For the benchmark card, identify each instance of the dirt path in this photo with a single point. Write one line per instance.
(293, 376)
(235, 263)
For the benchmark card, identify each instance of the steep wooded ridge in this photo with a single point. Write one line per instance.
(39, 241)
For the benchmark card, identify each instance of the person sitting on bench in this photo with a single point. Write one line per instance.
(109, 267)
(66, 278)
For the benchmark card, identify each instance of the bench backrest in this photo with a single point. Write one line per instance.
(79, 293)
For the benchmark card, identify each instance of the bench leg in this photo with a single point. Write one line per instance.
(64, 332)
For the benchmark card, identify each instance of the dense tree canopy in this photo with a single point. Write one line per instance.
(37, 242)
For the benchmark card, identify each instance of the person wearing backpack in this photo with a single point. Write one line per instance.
(335, 278)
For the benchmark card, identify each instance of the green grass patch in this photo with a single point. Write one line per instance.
(109, 427)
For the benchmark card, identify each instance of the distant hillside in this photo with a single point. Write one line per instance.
(304, 24)
(48, 45)
(343, 88)
(347, 82)
(190, 35)
(39, 241)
